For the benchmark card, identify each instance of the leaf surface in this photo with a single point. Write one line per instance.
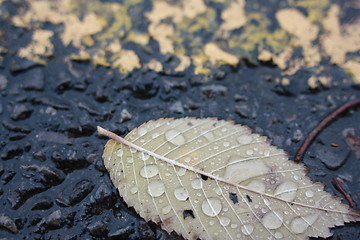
(213, 179)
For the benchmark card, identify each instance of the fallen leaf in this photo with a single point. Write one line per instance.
(212, 179)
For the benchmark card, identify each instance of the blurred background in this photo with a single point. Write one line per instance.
(67, 66)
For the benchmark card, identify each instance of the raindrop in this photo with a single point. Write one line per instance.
(244, 139)
(256, 186)
(130, 160)
(175, 137)
(149, 171)
(226, 144)
(286, 191)
(144, 156)
(142, 131)
(196, 183)
(187, 159)
(119, 152)
(181, 172)
(234, 225)
(211, 207)
(266, 153)
(224, 129)
(154, 135)
(156, 188)
(309, 193)
(224, 221)
(278, 235)
(211, 222)
(218, 190)
(209, 136)
(247, 229)
(166, 209)
(300, 224)
(133, 150)
(134, 190)
(181, 194)
(249, 152)
(272, 220)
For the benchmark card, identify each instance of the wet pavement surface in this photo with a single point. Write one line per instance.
(53, 184)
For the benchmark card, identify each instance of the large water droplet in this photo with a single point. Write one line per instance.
(142, 131)
(286, 191)
(247, 229)
(144, 156)
(273, 220)
(119, 152)
(156, 188)
(309, 193)
(278, 235)
(226, 144)
(154, 135)
(244, 139)
(181, 172)
(166, 209)
(181, 194)
(256, 186)
(211, 207)
(149, 171)
(224, 221)
(196, 183)
(249, 152)
(300, 224)
(175, 137)
(209, 136)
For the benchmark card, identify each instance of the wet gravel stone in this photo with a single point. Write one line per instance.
(51, 101)
(98, 229)
(104, 198)
(146, 86)
(120, 233)
(21, 64)
(34, 79)
(21, 112)
(74, 194)
(125, 116)
(298, 135)
(15, 127)
(170, 85)
(8, 224)
(11, 151)
(177, 107)
(243, 110)
(331, 159)
(51, 175)
(54, 220)
(212, 91)
(3, 82)
(42, 203)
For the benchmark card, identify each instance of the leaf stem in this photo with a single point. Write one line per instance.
(325, 122)
(336, 182)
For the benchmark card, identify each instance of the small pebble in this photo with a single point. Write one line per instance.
(21, 112)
